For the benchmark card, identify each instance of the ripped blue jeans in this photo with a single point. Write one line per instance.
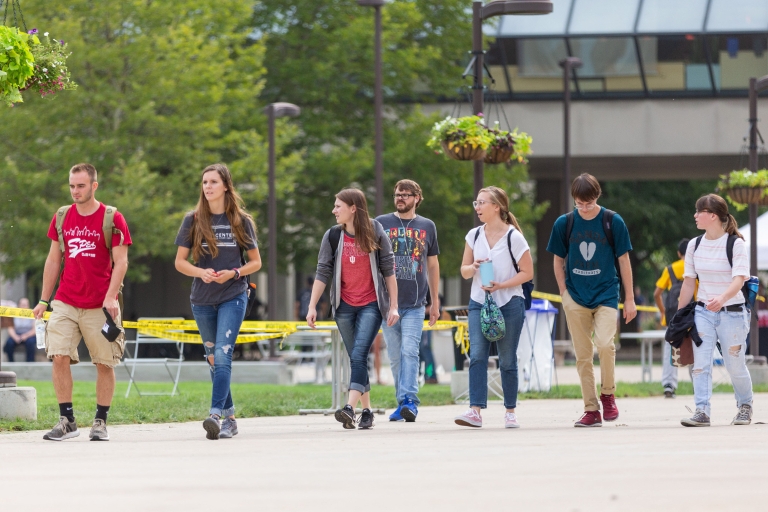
(219, 326)
(730, 328)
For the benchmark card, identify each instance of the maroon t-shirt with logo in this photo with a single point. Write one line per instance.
(357, 287)
(87, 266)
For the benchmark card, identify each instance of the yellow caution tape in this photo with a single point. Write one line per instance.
(196, 339)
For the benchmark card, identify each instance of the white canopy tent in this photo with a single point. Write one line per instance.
(762, 240)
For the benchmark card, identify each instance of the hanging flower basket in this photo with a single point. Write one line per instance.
(496, 155)
(16, 64)
(745, 187)
(463, 151)
(51, 74)
(746, 195)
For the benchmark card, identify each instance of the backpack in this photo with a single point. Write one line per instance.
(607, 229)
(670, 302)
(750, 286)
(528, 285)
(107, 227)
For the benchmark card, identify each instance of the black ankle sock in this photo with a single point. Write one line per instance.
(101, 412)
(66, 410)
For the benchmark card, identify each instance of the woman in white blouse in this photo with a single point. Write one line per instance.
(496, 240)
(720, 312)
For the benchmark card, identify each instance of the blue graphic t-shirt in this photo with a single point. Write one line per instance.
(413, 240)
(590, 270)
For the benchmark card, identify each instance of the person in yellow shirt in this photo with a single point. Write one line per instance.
(671, 281)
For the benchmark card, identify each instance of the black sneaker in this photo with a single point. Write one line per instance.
(346, 416)
(366, 420)
(669, 393)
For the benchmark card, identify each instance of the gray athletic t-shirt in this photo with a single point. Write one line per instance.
(230, 256)
(413, 240)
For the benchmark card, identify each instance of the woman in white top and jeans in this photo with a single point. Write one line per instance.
(494, 241)
(720, 313)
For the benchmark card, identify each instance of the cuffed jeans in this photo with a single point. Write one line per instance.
(731, 329)
(358, 326)
(479, 349)
(219, 327)
(403, 340)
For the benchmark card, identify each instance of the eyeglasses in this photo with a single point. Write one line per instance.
(703, 210)
(480, 203)
(403, 196)
(585, 206)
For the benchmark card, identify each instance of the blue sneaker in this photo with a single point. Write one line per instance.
(395, 416)
(408, 410)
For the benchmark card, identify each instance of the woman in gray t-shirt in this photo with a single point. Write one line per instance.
(215, 234)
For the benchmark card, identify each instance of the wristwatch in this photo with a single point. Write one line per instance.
(237, 273)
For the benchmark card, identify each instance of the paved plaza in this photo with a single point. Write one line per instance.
(644, 461)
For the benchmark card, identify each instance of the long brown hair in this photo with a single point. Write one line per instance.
(500, 199)
(202, 230)
(719, 207)
(364, 235)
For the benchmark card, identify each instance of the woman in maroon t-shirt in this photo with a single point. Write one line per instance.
(356, 257)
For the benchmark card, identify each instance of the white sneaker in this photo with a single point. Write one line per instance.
(510, 420)
(471, 418)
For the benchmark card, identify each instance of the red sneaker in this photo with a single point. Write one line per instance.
(610, 411)
(589, 419)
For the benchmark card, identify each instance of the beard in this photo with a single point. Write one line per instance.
(84, 198)
(404, 208)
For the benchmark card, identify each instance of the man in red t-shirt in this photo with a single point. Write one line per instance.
(91, 281)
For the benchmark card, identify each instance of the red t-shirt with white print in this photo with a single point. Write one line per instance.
(357, 288)
(87, 266)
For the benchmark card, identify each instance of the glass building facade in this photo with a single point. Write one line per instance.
(631, 49)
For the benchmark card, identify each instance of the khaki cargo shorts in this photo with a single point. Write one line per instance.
(68, 324)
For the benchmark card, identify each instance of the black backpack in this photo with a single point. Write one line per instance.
(527, 286)
(670, 303)
(607, 228)
(749, 288)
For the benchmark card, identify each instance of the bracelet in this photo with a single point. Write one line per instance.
(41, 301)
(237, 273)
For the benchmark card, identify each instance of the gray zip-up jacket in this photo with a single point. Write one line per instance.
(382, 265)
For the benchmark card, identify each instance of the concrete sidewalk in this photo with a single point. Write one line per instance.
(644, 461)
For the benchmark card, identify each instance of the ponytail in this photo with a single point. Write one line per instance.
(731, 227)
(509, 218)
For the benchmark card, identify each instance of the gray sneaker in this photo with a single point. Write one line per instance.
(64, 429)
(699, 419)
(744, 416)
(212, 427)
(228, 428)
(99, 431)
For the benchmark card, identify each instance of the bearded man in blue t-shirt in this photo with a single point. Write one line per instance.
(587, 244)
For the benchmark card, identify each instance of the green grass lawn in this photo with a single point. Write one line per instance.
(252, 400)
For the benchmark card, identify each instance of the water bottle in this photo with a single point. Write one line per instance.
(40, 332)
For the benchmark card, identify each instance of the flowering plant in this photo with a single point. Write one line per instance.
(519, 142)
(744, 179)
(460, 131)
(50, 69)
(16, 63)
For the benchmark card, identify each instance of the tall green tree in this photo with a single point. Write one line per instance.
(165, 88)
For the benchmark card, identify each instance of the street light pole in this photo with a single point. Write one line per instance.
(480, 13)
(568, 66)
(378, 106)
(755, 86)
(273, 111)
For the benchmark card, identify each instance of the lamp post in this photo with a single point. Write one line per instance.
(755, 86)
(568, 66)
(273, 111)
(480, 13)
(378, 105)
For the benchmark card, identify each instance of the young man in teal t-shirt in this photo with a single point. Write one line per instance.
(586, 274)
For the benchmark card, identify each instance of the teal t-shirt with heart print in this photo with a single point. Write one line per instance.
(590, 277)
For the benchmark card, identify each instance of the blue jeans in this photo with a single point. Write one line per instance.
(358, 326)
(219, 326)
(479, 349)
(731, 329)
(403, 340)
(30, 345)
